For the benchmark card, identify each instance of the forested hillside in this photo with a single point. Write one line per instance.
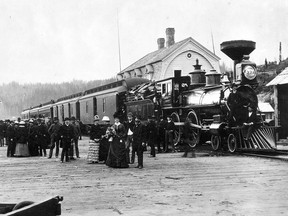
(15, 97)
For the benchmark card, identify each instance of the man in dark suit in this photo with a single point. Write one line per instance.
(139, 140)
(129, 126)
(66, 134)
(151, 131)
(161, 134)
(169, 135)
(11, 139)
(54, 131)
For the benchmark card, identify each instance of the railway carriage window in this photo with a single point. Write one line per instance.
(94, 106)
(169, 88)
(86, 106)
(104, 104)
(164, 88)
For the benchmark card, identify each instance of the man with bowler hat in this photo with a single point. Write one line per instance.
(67, 135)
(139, 141)
(129, 125)
(54, 131)
(151, 130)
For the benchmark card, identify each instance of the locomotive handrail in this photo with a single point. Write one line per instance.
(191, 124)
(196, 126)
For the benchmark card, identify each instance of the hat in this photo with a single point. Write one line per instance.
(73, 118)
(105, 118)
(116, 115)
(66, 119)
(22, 123)
(31, 120)
(96, 118)
(55, 119)
(130, 114)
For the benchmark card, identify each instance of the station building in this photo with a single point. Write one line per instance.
(280, 85)
(179, 56)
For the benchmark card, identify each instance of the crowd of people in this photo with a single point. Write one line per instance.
(35, 136)
(115, 144)
(118, 144)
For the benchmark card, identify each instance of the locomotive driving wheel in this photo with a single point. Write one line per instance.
(232, 143)
(215, 142)
(194, 137)
(176, 119)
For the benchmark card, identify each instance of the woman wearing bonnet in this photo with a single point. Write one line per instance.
(117, 151)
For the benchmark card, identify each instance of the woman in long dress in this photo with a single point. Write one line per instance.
(117, 151)
(104, 142)
(21, 149)
(94, 142)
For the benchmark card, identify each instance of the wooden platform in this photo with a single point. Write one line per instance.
(168, 185)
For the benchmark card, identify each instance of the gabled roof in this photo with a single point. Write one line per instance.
(280, 79)
(160, 54)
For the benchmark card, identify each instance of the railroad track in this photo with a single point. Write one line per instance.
(277, 155)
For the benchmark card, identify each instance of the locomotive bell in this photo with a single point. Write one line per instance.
(225, 80)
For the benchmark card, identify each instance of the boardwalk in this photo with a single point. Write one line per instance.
(168, 185)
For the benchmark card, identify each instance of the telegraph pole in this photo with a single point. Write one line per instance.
(280, 53)
(119, 50)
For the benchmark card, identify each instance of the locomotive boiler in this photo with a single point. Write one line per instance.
(222, 111)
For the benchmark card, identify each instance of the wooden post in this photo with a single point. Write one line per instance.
(276, 110)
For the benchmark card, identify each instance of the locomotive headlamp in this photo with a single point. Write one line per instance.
(249, 72)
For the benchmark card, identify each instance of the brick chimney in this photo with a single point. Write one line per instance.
(170, 36)
(161, 43)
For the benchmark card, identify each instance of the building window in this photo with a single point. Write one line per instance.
(86, 106)
(189, 55)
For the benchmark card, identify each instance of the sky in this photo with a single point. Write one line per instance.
(54, 41)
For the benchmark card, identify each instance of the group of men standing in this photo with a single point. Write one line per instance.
(65, 136)
(153, 134)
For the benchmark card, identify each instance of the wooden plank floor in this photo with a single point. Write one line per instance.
(168, 185)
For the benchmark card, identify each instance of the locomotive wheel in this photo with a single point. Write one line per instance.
(232, 143)
(195, 136)
(176, 119)
(215, 142)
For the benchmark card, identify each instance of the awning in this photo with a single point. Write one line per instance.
(265, 107)
(280, 79)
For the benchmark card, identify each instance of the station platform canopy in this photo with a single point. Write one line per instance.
(280, 79)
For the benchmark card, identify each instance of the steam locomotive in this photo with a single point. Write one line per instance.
(223, 112)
